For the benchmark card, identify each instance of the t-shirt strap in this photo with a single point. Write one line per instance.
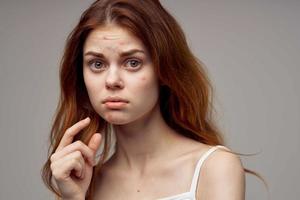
(199, 164)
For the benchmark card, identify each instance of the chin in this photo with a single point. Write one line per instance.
(120, 117)
(117, 122)
(117, 119)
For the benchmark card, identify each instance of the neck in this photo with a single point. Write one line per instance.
(143, 142)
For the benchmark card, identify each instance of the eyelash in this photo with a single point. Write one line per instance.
(91, 62)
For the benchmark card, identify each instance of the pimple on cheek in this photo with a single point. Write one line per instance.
(143, 78)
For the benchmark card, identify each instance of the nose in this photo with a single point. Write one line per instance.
(113, 79)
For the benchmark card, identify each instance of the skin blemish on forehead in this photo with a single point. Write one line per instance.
(111, 37)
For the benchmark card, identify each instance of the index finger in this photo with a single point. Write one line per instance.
(71, 132)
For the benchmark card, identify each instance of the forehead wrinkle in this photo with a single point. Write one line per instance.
(119, 43)
(112, 37)
(118, 47)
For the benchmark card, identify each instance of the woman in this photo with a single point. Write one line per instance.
(127, 71)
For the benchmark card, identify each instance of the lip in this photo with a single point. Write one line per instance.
(114, 99)
(115, 104)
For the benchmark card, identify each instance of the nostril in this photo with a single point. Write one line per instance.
(116, 84)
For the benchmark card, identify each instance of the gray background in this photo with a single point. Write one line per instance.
(251, 49)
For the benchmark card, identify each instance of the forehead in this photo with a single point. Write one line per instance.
(112, 36)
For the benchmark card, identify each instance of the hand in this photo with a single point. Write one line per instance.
(72, 163)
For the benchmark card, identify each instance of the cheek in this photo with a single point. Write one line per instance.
(147, 85)
(88, 83)
(144, 83)
(93, 86)
(143, 78)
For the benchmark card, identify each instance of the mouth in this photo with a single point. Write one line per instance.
(114, 99)
(115, 102)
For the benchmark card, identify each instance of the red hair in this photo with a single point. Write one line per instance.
(186, 94)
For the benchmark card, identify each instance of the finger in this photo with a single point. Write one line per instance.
(79, 167)
(78, 170)
(71, 132)
(79, 164)
(62, 168)
(95, 141)
(75, 146)
(94, 144)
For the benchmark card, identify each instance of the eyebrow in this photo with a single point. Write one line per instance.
(123, 54)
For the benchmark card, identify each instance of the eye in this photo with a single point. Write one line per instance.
(133, 63)
(96, 64)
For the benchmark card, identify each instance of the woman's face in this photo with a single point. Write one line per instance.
(117, 65)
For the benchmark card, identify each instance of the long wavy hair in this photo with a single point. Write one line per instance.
(186, 93)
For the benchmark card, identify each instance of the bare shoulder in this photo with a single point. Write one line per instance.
(222, 177)
(223, 160)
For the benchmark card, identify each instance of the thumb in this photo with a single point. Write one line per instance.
(95, 141)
